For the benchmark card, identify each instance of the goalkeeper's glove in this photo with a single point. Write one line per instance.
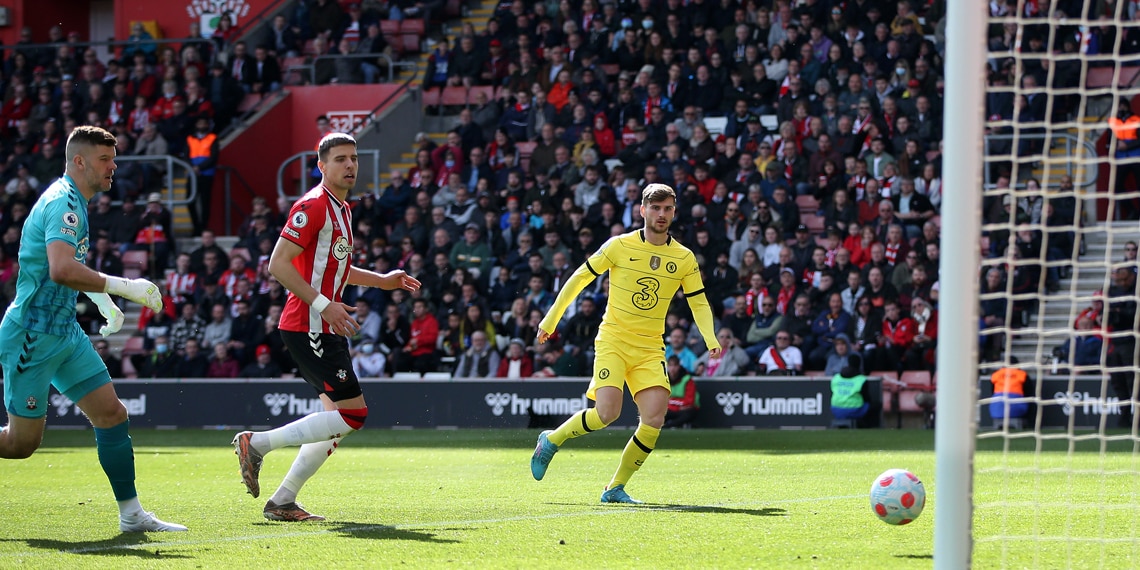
(109, 311)
(140, 291)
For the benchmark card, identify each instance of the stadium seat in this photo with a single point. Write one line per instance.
(769, 122)
(134, 263)
(129, 369)
(249, 102)
(432, 96)
(918, 379)
(453, 9)
(611, 69)
(808, 204)
(243, 252)
(1102, 77)
(525, 148)
(133, 346)
(437, 376)
(411, 32)
(488, 90)
(716, 125)
(291, 68)
(453, 96)
(390, 29)
(813, 222)
(405, 376)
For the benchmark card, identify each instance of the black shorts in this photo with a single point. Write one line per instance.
(324, 362)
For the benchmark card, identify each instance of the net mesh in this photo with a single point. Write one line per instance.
(1061, 478)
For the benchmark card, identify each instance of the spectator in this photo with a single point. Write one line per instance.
(222, 365)
(897, 337)
(517, 363)
(830, 323)
(850, 393)
(113, 363)
(1009, 384)
(263, 365)
(557, 362)
(1085, 347)
(684, 400)
(419, 353)
(782, 359)
(369, 362)
(187, 327)
(480, 360)
(732, 360)
(160, 362)
(191, 362)
(675, 346)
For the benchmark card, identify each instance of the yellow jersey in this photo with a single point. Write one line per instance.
(643, 279)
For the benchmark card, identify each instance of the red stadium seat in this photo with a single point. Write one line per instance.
(525, 148)
(453, 96)
(611, 69)
(919, 379)
(488, 90)
(807, 204)
(129, 369)
(453, 9)
(431, 97)
(134, 264)
(813, 222)
(411, 32)
(133, 345)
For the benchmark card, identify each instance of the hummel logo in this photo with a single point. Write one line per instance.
(634, 259)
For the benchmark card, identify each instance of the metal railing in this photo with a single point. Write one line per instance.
(304, 181)
(1070, 142)
(311, 68)
(170, 163)
(228, 173)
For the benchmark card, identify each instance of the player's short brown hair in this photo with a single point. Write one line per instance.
(657, 192)
(333, 140)
(87, 135)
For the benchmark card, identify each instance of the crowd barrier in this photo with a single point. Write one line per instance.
(747, 402)
(743, 403)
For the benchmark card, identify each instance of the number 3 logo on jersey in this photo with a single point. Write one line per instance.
(646, 298)
(299, 220)
(341, 249)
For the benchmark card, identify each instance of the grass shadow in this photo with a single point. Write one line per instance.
(764, 512)
(126, 544)
(915, 556)
(370, 531)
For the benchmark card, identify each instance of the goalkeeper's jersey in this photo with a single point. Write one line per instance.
(42, 305)
(643, 279)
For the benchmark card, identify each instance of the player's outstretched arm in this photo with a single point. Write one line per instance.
(281, 267)
(65, 270)
(570, 290)
(109, 310)
(396, 279)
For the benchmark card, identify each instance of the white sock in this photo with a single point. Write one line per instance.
(130, 507)
(313, 428)
(309, 460)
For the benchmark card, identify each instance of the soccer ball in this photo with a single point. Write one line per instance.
(897, 496)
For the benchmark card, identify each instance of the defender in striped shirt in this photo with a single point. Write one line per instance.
(313, 260)
(646, 269)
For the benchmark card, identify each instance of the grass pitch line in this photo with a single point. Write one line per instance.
(611, 510)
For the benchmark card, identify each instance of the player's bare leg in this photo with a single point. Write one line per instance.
(117, 457)
(651, 406)
(21, 437)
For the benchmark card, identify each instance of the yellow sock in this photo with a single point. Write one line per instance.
(636, 451)
(578, 425)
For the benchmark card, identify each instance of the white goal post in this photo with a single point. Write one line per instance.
(958, 290)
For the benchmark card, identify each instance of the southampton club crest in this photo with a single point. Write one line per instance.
(341, 375)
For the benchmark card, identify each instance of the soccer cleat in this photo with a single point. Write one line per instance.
(292, 512)
(618, 495)
(250, 462)
(147, 522)
(543, 453)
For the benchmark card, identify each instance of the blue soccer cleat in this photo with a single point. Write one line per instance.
(543, 453)
(618, 495)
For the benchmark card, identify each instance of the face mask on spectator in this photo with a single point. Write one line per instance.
(161, 348)
(626, 23)
(366, 349)
(900, 71)
(647, 24)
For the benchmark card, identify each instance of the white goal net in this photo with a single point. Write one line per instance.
(1056, 475)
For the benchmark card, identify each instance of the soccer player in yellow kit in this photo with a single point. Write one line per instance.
(646, 268)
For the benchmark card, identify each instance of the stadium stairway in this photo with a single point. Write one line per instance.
(1052, 323)
(477, 17)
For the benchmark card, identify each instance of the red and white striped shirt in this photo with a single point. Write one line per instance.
(181, 286)
(322, 225)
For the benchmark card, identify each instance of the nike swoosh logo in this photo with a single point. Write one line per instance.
(634, 259)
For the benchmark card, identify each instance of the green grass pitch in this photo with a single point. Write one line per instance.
(445, 499)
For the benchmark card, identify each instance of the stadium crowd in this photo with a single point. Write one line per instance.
(818, 236)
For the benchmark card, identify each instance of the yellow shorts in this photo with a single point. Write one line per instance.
(619, 366)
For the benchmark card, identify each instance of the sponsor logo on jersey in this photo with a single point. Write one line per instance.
(341, 249)
(81, 250)
(292, 233)
(67, 232)
(299, 220)
(71, 219)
